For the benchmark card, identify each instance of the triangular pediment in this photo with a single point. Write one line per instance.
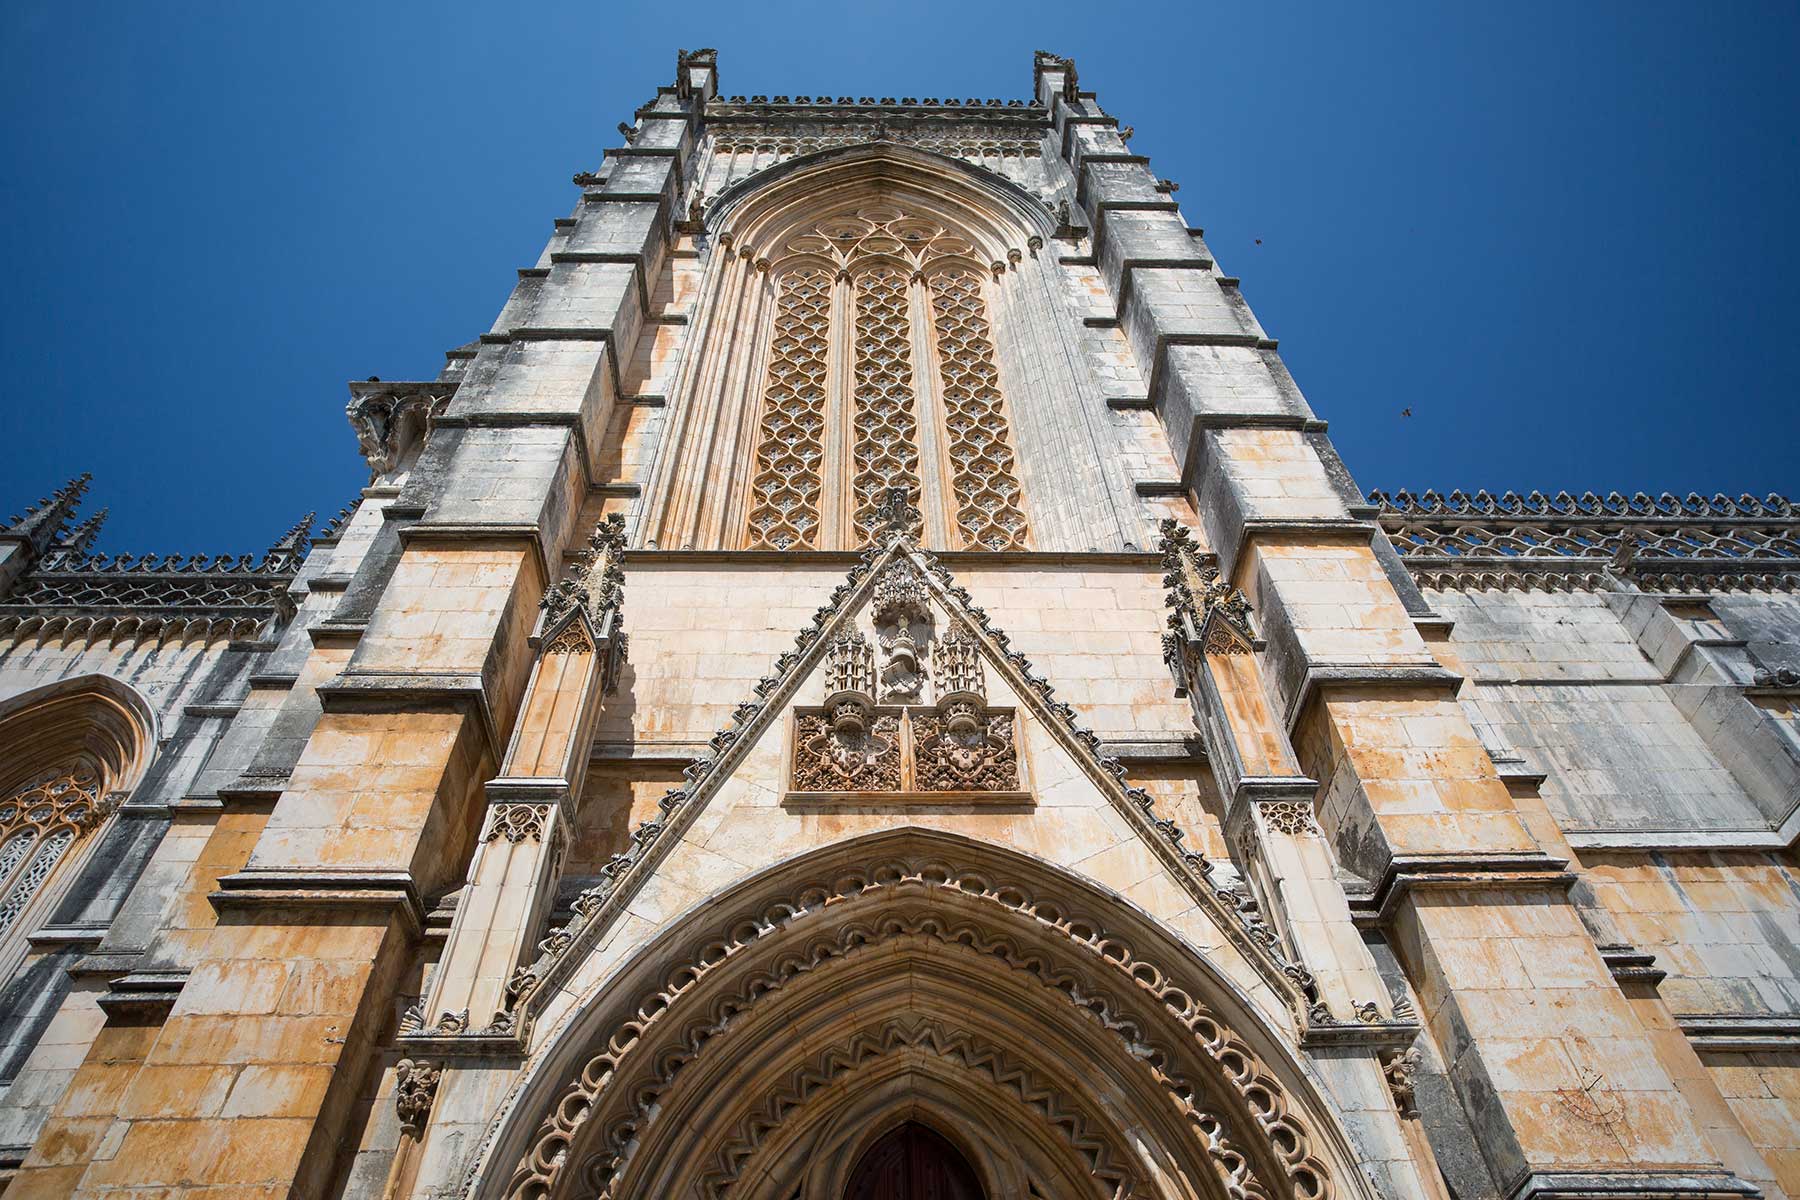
(903, 703)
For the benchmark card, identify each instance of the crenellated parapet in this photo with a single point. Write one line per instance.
(1462, 541)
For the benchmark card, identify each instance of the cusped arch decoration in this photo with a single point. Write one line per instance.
(995, 214)
(844, 345)
(69, 753)
(698, 1066)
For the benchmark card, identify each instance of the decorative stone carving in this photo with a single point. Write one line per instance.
(1464, 541)
(516, 822)
(68, 589)
(390, 418)
(901, 617)
(452, 1023)
(679, 805)
(595, 583)
(622, 1085)
(415, 1087)
(1399, 1070)
(1106, 1159)
(837, 756)
(978, 757)
(784, 509)
(989, 505)
(1207, 615)
(1287, 816)
(961, 683)
(883, 417)
(38, 823)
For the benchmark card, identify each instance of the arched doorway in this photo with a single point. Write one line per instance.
(913, 1162)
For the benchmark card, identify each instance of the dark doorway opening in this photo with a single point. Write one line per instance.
(913, 1163)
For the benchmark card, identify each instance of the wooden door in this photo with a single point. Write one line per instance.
(913, 1163)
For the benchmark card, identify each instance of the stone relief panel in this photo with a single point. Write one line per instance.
(878, 735)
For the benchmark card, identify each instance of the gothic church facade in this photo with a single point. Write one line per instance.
(870, 680)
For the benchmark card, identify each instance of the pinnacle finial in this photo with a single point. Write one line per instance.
(295, 539)
(897, 515)
(43, 520)
(80, 540)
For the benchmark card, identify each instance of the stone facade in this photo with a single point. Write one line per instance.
(874, 634)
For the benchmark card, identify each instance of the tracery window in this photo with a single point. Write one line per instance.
(38, 823)
(895, 307)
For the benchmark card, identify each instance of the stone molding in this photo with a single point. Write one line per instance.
(1661, 543)
(914, 897)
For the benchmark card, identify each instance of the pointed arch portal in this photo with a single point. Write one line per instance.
(763, 1044)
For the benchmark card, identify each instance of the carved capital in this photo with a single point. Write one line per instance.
(415, 1087)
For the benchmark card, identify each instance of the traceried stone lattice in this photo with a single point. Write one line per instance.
(885, 419)
(784, 512)
(38, 822)
(989, 510)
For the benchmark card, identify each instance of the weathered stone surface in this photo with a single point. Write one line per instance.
(873, 632)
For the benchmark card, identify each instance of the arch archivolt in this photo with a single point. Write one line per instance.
(706, 1069)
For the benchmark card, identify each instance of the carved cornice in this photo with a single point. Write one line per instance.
(1590, 542)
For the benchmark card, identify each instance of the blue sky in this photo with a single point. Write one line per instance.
(1563, 235)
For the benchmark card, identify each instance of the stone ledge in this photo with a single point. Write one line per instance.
(1380, 1036)
(1628, 964)
(1181, 748)
(1409, 872)
(1664, 1185)
(363, 691)
(1650, 841)
(479, 1045)
(1320, 676)
(470, 531)
(263, 888)
(1747, 1032)
(67, 935)
(202, 711)
(146, 995)
(324, 633)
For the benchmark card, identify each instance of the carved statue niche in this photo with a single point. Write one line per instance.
(903, 624)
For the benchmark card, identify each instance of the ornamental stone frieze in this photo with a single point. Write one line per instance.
(65, 587)
(1590, 542)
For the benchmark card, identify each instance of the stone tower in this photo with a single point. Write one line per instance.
(871, 680)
